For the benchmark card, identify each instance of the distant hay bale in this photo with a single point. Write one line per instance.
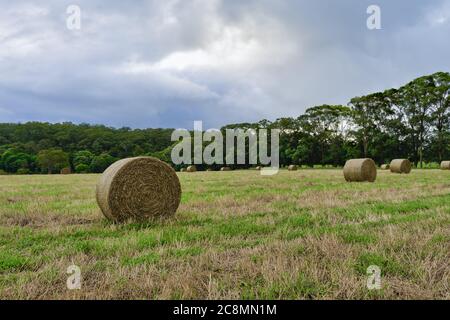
(292, 167)
(209, 169)
(258, 168)
(66, 171)
(385, 167)
(225, 169)
(138, 188)
(400, 166)
(183, 170)
(191, 169)
(359, 170)
(445, 165)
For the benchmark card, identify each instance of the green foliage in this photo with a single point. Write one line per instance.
(101, 162)
(431, 165)
(82, 168)
(13, 160)
(83, 158)
(23, 171)
(164, 155)
(52, 160)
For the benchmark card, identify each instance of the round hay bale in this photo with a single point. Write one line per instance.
(445, 165)
(384, 167)
(65, 171)
(191, 169)
(138, 188)
(209, 169)
(183, 170)
(360, 170)
(225, 169)
(292, 167)
(400, 166)
(258, 168)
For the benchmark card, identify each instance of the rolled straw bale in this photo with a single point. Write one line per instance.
(400, 166)
(225, 169)
(258, 168)
(292, 167)
(209, 169)
(384, 167)
(183, 170)
(191, 169)
(445, 165)
(138, 188)
(360, 170)
(66, 171)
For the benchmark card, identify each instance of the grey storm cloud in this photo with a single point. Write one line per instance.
(168, 63)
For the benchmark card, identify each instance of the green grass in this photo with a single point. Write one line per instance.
(296, 235)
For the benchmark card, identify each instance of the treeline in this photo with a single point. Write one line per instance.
(408, 122)
(43, 147)
(411, 122)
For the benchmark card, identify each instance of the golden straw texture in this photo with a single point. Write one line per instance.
(66, 171)
(400, 166)
(138, 188)
(191, 169)
(360, 170)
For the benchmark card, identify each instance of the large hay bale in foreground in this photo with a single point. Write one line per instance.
(400, 166)
(138, 188)
(359, 170)
(225, 169)
(292, 167)
(385, 167)
(445, 165)
(65, 171)
(191, 169)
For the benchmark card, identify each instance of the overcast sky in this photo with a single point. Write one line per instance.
(167, 63)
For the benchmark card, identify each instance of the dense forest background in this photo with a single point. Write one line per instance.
(409, 122)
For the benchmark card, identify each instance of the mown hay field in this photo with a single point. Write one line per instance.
(303, 234)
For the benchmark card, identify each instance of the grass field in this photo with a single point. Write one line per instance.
(297, 235)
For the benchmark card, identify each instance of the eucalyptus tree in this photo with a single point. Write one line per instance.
(417, 100)
(367, 112)
(323, 126)
(441, 112)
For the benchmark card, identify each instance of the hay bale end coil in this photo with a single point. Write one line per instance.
(400, 166)
(359, 170)
(292, 167)
(138, 188)
(191, 169)
(445, 165)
